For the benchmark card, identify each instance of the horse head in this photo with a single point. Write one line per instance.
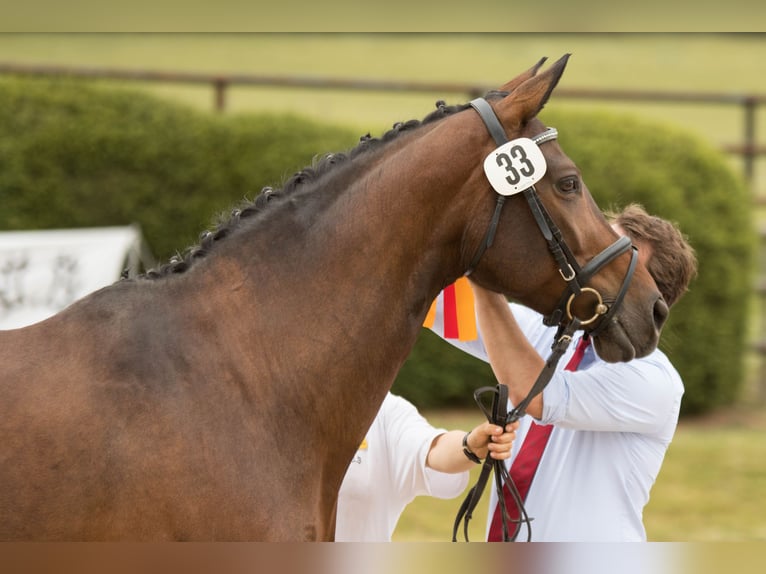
(598, 280)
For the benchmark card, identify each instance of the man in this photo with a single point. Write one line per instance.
(611, 423)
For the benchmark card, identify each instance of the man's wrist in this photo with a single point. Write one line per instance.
(470, 455)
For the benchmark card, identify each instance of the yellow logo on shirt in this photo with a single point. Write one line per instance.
(363, 446)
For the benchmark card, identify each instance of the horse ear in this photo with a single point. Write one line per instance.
(526, 100)
(523, 77)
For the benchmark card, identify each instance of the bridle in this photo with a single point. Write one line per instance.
(576, 277)
(573, 274)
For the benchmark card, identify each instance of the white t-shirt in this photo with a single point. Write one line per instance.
(388, 472)
(612, 426)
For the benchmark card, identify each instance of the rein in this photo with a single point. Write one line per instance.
(500, 416)
(575, 277)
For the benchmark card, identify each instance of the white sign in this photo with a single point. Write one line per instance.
(41, 272)
(515, 166)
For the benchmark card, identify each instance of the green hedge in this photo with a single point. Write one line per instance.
(73, 155)
(681, 178)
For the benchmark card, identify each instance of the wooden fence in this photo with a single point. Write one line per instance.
(747, 148)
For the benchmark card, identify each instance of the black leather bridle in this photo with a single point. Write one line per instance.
(573, 274)
(576, 277)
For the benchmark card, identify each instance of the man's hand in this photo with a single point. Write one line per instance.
(490, 440)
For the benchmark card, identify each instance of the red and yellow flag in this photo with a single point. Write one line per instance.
(459, 312)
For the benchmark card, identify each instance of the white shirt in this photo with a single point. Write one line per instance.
(388, 472)
(612, 426)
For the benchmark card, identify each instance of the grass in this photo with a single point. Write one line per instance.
(709, 489)
(710, 485)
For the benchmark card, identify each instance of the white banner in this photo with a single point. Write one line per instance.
(41, 272)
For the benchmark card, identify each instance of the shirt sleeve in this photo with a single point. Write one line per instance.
(409, 437)
(637, 396)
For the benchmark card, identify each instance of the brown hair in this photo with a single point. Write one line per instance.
(672, 262)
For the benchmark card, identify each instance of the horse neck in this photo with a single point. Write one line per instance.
(340, 281)
(408, 209)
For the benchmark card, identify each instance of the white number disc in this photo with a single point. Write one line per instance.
(515, 166)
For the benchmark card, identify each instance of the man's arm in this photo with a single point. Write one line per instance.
(446, 452)
(629, 397)
(514, 360)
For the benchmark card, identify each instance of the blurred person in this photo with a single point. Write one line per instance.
(404, 456)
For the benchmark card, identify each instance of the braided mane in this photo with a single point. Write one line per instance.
(208, 239)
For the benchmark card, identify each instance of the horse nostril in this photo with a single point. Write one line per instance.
(660, 313)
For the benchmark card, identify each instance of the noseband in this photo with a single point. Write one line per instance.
(563, 316)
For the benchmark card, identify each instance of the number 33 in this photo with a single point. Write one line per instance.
(527, 168)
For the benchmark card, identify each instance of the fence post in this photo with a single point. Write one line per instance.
(749, 151)
(220, 85)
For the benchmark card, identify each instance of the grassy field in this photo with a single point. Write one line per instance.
(712, 482)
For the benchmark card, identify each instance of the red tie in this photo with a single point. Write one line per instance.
(525, 464)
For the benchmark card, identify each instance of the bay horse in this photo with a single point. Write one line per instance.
(222, 395)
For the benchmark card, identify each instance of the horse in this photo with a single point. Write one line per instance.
(222, 394)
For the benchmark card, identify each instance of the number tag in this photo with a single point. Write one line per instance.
(515, 166)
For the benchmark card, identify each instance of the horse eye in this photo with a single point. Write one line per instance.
(569, 185)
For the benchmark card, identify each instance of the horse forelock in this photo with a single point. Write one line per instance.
(303, 181)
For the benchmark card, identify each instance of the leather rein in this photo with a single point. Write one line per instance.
(575, 277)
